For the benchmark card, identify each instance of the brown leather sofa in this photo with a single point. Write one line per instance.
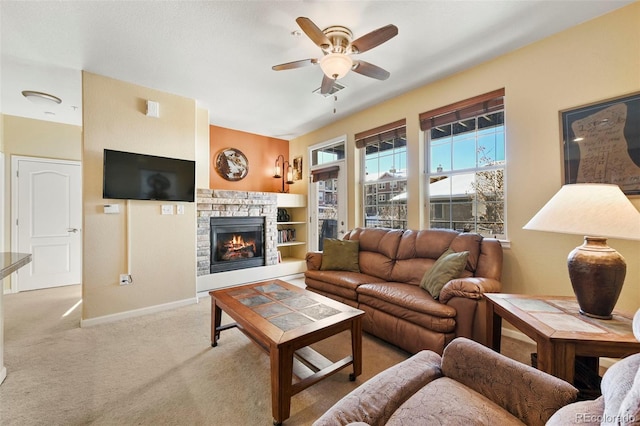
(392, 263)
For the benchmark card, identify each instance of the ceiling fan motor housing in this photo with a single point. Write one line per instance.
(340, 38)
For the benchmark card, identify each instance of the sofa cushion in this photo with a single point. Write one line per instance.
(583, 413)
(379, 240)
(629, 412)
(448, 266)
(410, 303)
(447, 402)
(619, 382)
(342, 283)
(340, 255)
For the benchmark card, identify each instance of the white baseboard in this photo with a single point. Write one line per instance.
(137, 312)
(3, 374)
(517, 335)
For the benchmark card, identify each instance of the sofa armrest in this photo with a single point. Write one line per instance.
(314, 260)
(471, 288)
(377, 399)
(529, 394)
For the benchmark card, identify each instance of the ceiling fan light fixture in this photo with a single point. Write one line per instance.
(41, 98)
(336, 65)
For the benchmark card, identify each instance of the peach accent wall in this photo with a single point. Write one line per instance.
(261, 152)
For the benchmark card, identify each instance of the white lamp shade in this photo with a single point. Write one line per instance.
(589, 209)
(336, 65)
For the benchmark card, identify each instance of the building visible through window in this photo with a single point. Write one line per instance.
(384, 175)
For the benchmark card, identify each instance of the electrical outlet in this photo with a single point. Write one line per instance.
(125, 279)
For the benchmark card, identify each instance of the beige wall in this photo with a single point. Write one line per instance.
(158, 250)
(34, 138)
(594, 61)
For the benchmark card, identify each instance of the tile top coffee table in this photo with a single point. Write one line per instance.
(284, 320)
(561, 333)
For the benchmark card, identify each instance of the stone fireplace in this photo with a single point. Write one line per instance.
(232, 205)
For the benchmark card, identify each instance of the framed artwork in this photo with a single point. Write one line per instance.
(231, 164)
(601, 143)
(297, 168)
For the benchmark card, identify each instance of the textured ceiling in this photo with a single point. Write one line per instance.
(221, 52)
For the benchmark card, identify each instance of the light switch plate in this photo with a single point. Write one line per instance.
(112, 208)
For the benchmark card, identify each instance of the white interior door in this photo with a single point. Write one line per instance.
(47, 216)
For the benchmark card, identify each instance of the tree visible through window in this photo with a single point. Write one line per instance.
(465, 165)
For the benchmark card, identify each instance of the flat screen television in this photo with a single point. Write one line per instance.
(132, 176)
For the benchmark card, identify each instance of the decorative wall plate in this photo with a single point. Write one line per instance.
(231, 164)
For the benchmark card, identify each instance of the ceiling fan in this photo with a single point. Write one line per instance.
(338, 46)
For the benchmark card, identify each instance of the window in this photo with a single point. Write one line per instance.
(384, 151)
(466, 165)
(327, 154)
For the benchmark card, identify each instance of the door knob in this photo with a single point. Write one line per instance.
(74, 230)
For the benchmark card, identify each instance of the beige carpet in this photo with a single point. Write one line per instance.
(155, 369)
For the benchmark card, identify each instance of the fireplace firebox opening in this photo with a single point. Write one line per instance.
(237, 243)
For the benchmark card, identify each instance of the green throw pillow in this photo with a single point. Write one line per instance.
(340, 255)
(448, 266)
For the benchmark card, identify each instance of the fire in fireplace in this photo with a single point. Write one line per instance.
(237, 243)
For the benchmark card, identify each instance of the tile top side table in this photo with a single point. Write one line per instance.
(560, 331)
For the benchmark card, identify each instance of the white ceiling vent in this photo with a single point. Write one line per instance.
(335, 89)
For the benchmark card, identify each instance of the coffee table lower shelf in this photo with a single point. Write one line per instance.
(294, 364)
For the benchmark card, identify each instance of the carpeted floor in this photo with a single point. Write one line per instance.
(156, 369)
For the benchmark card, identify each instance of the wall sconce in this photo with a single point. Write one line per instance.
(282, 169)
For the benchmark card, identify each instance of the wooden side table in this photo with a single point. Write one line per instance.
(561, 333)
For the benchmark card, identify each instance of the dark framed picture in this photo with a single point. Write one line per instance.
(297, 168)
(601, 143)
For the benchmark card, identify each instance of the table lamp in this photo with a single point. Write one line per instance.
(596, 211)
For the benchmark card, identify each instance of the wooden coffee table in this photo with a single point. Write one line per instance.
(561, 333)
(284, 320)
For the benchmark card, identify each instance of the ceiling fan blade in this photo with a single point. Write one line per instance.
(327, 85)
(374, 38)
(370, 70)
(313, 32)
(294, 64)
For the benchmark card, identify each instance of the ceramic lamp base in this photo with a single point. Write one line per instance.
(597, 274)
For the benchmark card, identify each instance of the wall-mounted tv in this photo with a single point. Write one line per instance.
(132, 176)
